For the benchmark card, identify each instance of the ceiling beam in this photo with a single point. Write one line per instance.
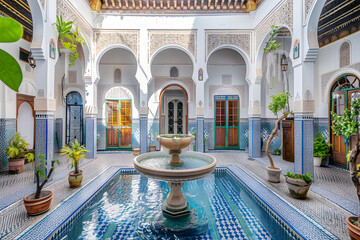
(127, 4)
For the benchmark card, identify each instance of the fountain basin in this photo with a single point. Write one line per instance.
(204, 165)
(175, 142)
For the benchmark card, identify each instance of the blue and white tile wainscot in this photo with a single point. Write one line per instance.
(292, 221)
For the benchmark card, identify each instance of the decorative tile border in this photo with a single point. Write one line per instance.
(295, 223)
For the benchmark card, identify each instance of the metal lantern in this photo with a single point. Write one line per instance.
(284, 63)
(31, 60)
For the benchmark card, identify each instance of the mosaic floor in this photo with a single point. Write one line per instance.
(331, 199)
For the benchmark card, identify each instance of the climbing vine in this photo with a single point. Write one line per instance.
(272, 45)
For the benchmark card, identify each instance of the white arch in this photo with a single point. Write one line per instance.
(173, 82)
(260, 51)
(312, 25)
(75, 89)
(174, 46)
(37, 13)
(239, 50)
(226, 90)
(335, 76)
(31, 83)
(108, 48)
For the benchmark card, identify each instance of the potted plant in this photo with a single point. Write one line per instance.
(321, 149)
(277, 152)
(39, 202)
(298, 184)
(348, 125)
(75, 151)
(16, 152)
(279, 102)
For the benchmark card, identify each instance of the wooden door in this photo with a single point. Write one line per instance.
(125, 124)
(338, 142)
(112, 123)
(220, 123)
(233, 123)
(288, 140)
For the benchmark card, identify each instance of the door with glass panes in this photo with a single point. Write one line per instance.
(118, 124)
(175, 122)
(227, 122)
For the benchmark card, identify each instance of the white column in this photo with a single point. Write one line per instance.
(254, 113)
(91, 112)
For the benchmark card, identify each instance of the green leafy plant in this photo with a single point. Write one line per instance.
(279, 102)
(70, 37)
(277, 151)
(321, 148)
(272, 45)
(306, 177)
(10, 71)
(348, 125)
(17, 148)
(75, 151)
(40, 172)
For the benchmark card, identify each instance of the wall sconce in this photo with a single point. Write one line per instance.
(31, 60)
(284, 63)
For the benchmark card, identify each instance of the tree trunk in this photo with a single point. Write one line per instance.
(274, 131)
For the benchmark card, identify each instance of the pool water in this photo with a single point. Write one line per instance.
(129, 207)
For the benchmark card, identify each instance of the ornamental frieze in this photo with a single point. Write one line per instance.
(68, 13)
(160, 39)
(281, 16)
(104, 39)
(308, 4)
(241, 40)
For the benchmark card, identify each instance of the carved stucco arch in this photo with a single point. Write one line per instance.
(188, 92)
(108, 48)
(335, 76)
(37, 13)
(78, 90)
(237, 49)
(311, 28)
(174, 46)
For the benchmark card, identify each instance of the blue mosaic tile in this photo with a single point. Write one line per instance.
(143, 135)
(58, 134)
(7, 131)
(254, 137)
(200, 134)
(44, 136)
(101, 134)
(90, 142)
(267, 126)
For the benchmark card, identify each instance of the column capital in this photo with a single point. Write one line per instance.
(304, 106)
(44, 104)
(91, 111)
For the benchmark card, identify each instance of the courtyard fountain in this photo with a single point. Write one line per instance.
(176, 168)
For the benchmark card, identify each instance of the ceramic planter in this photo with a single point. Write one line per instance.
(298, 188)
(354, 231)
(317, 161)
(16, 165)
(38, 206)
(136, 152)
(75, 179)
(273, 174)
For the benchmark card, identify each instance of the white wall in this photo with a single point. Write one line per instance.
(25, 124)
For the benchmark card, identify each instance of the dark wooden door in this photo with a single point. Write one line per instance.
(338, 142)
(220, 123)
(112, 123)
(288, 140)
(233, 123)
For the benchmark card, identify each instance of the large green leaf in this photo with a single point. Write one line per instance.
(10, 71)
(10, 30)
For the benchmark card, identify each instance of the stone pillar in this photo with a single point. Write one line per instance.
(254, 112)
(200, 134)
(143, 133)
(91, 112)
(200, 112)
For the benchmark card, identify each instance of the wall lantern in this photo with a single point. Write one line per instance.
(284, 63)
(31, 60)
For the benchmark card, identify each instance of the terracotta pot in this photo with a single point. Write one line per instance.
(298, 188)
(273, 174)
(152, 148)
(354, 231)
(38, 206)
(75, 179)
(317, 161)
(16, 165)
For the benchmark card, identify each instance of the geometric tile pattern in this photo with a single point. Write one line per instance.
(228, 223)
(7, 131)
(58, 134)
(143, 134)
(254, 137)
(44, 136)
(101, 134)
(200, 134)
(90, 137)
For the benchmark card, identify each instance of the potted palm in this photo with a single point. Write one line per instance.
(39, 202)
(16, 152)
(321, 149)
(348, 126)
(279, 102)
(75, 151)
(298, 184)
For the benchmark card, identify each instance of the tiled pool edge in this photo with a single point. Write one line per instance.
(304, 226)
(71, 207)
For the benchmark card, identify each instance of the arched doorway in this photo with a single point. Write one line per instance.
(74, 117)
(25, 120)
(173, 110)
(344, 90)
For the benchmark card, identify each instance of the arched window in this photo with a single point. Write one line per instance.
(74, 117)
(174, 72)
(345, 54)
(117, 75)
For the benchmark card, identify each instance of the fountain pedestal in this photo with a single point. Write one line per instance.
(176, 204)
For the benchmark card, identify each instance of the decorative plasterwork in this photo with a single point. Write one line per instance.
(304, 106)
(158, 39)
(308, 4)
(68, 13)
(325, 78)
(281, 16)
(214, 40)
(188, 82)
(45, 104)
(104, 39)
